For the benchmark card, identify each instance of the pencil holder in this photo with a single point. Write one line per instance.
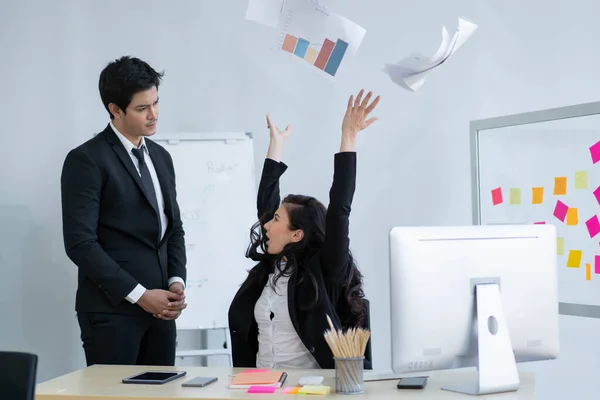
(349, 377)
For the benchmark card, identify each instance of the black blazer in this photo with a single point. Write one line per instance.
(329, 265)
(111, 230)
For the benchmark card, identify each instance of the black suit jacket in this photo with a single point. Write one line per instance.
(329, 265)
(111, 230)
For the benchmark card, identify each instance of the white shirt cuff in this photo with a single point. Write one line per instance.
(176, 279)
(135, 294)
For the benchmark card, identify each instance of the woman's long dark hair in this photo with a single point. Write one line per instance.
(308, 214)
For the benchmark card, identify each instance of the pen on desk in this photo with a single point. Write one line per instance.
(282, 379)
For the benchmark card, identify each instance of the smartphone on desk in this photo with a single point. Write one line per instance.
(412, 383)
(199, 381)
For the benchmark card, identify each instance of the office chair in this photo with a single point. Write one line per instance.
(17, 375)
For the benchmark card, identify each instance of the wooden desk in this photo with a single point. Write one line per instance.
(104, 382)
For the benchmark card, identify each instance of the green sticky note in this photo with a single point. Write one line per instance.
(515, 196)
(581, 180)
(560, 246)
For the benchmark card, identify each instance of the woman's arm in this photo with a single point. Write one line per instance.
(336, 247)
(268, 190)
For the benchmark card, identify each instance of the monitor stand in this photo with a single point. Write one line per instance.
(497, 369)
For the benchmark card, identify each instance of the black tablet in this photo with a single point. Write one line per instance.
(154, 377)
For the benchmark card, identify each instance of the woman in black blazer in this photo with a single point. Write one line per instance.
(305, 270)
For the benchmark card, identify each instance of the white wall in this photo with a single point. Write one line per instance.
(222, 76)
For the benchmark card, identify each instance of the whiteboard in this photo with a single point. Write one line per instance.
(544, 167)
(216, 194)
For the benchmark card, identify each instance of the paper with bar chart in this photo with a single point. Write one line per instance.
(318, 37)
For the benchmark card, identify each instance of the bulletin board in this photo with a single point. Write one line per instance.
(543, 167)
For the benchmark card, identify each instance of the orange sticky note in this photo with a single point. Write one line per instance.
(537, 195)
(572, 217)
(560, 185)
(574, 260)
(588, 272)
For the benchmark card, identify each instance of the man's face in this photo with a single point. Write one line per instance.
(141, 115)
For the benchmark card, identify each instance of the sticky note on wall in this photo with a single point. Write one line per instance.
(560, 210)
(560, 246)
(595, 152)
(597, 194)
(593, 226)
(497, 196)
(560, 185)
(581, 180)
(597, 264)
(572, 217)
(588, 272)
(515, 196)
(574, 260)
(537, 195)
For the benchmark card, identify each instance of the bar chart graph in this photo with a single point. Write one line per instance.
(323, 40)
(326, 56)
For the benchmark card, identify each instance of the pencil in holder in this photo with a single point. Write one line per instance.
(349, 376)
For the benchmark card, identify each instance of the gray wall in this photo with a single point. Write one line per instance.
(223, 76)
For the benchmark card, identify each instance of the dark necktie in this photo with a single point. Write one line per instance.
(147, 182)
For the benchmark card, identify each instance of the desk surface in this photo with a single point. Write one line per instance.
(104, 381)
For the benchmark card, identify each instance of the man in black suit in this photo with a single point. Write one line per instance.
(122, 227)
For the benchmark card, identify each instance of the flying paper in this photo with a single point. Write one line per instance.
(411, 72)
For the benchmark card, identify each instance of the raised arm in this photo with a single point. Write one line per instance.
(268, 189)
(336, 247)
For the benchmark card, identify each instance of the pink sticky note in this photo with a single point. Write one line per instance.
(539, 223)
(597, 194)
(595, 152)
(497, 196)
(560, 211)
(286, 390)
(597, 267)
(262, 389)
(593, 226)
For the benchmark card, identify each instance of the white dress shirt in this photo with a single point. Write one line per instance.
(279, 346)
(139, 290)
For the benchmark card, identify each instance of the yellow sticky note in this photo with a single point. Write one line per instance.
(560, 246)
(537, 195)
(581, 180)
(572, 217)
(588, 272)
(515, 196)
(574, 260)
(560, 185)
(313, 389)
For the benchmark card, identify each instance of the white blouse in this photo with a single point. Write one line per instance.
(279, 346)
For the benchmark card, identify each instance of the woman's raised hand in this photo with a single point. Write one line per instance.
(275, 133)
(355, 119)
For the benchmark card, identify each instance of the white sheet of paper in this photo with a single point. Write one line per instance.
(411, 72)
(267, 12)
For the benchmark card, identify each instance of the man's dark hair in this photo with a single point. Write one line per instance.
(122, 78)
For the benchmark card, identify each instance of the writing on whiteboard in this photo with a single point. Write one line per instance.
(221, 168)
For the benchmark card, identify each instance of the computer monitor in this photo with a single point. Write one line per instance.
(473, 296)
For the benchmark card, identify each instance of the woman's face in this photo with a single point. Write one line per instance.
(278, 232)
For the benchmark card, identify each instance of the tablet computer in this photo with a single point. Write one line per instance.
(154, 377)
